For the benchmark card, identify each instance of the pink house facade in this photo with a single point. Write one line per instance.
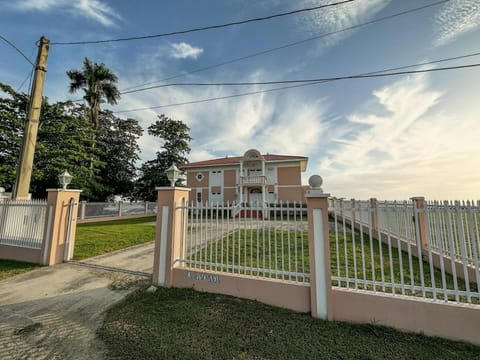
(252, 178)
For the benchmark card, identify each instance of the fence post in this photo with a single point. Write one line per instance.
(319, 249)
(83, 205)
(419, 219)
(120, 207)
(374, 213)
(169, 233)
(353, 212)
(53, 246)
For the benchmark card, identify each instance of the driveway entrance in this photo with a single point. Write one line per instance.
(54, 312)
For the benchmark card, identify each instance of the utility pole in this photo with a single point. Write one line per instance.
(24, 170)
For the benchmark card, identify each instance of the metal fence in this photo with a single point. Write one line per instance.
(268, 241)
(430, 252)
(397, 219)
(23, 223)
(453, 229)
(90, 210)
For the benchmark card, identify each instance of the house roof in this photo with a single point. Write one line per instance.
(235, 160)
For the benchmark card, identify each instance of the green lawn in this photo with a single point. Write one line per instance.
(185, 324)
(395, 265)
(102, 237)
(10, 268)
(255, 250)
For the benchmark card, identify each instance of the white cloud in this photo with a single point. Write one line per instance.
(455, 18)
(272, 123)
(95, 10)
(338, 17)
(417, 148)
(183, 51)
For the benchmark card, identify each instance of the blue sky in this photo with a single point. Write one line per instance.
(390, 138)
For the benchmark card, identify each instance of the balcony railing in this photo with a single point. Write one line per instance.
(253, 180)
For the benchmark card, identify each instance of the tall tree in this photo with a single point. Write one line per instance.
(176, 138)
(119, 151)
(98, 84)
(64, 142)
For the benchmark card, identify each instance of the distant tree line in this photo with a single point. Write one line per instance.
(97, 147)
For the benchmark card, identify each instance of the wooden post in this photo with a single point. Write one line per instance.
(24, 172)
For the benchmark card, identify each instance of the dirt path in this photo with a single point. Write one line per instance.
(54, 312)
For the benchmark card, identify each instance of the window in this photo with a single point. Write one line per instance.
(199, 196)
(199, 176)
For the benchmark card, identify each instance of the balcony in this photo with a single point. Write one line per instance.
(257, 180)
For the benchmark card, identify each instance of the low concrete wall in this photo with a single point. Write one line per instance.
(456, 322)
(21, 254)
(283, 294)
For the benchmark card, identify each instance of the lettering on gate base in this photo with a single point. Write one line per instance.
(203, 277)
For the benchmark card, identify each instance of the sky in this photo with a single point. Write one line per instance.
(389, 138)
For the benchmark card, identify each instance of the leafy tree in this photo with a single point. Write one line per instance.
(64, 142)
(98, 84)
(13, 107)
(176, 137)
(118, 151)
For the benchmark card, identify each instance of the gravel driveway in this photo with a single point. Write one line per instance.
(54, 312)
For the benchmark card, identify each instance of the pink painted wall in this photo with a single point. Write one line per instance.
(21, 254)
(291, 194)
(289, 175)
(273, 292)
(228, 195)
(434, 319)
(229, 178)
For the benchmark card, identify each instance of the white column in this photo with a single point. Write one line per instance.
(240, 181)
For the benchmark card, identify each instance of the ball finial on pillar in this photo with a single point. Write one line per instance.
(315, 182)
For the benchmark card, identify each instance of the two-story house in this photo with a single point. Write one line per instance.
(252, 178)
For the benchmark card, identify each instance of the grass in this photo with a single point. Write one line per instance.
(9, 268)
(98, 238)
(185, 324)
(379, 258)
(253, 251)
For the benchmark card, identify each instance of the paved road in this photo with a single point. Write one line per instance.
(54, 312)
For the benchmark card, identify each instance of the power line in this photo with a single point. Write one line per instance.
(204, 27)
(29, 75)
(17, 49)
(298, 81)
(380, 73)
(388, 17)
(277, 82)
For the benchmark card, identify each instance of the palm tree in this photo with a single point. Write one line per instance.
(99, 85)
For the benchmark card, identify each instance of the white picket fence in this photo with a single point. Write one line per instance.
(269, 241)
(23, 223)
(430, 252)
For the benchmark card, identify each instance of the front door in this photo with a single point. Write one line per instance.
(255, 197)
